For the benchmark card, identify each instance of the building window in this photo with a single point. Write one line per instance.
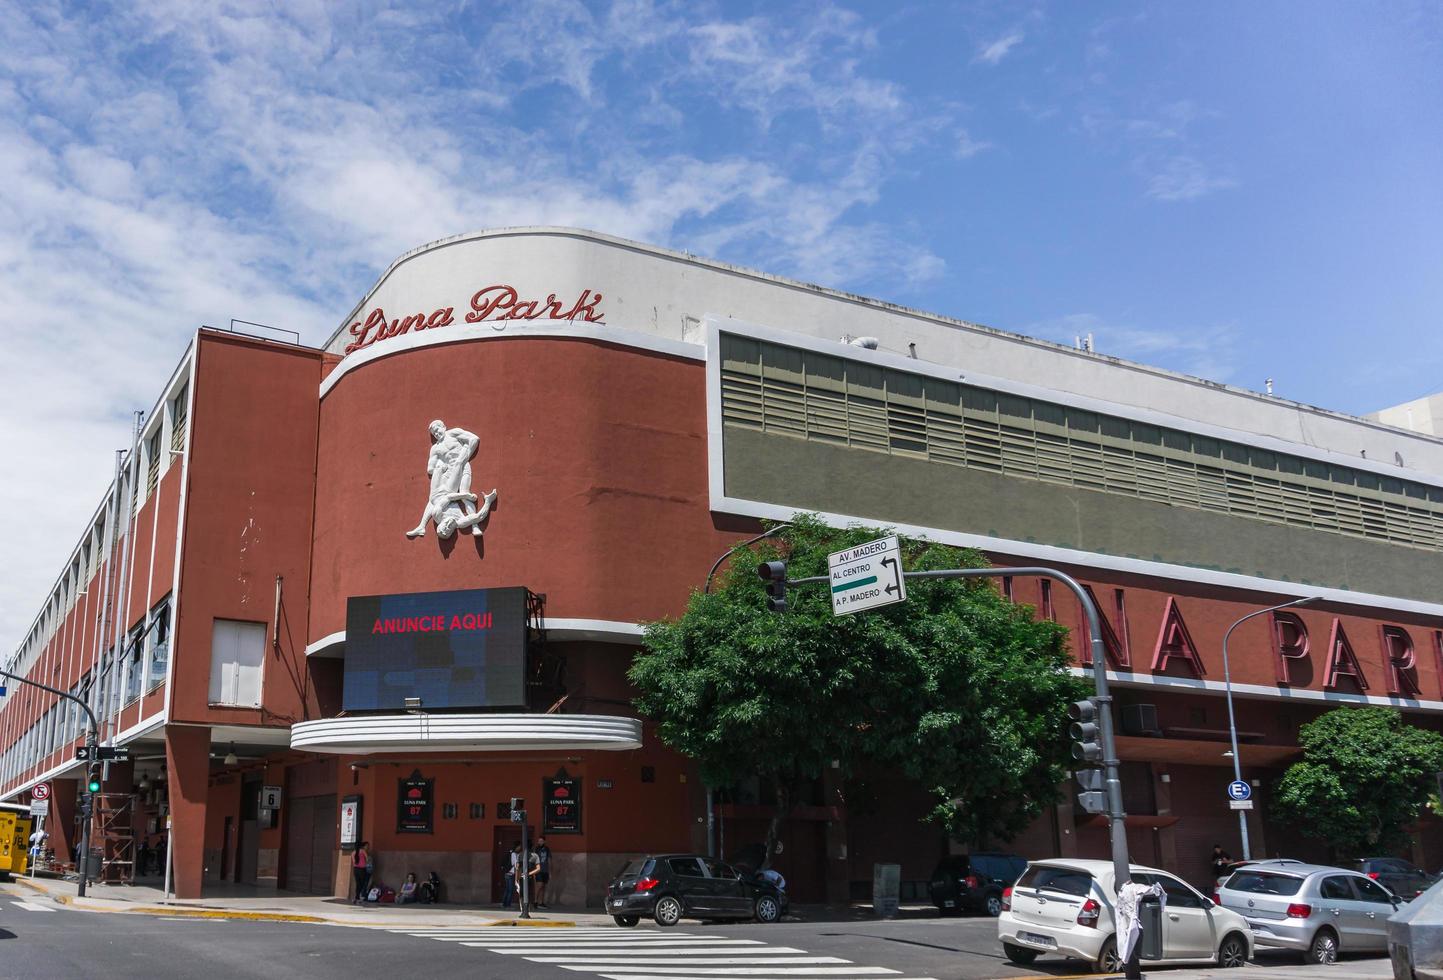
(152, 467)
(237, 656)
(134, 664)
(159, 642)
(178, 409)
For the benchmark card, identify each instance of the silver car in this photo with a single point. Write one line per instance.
(1318, 910)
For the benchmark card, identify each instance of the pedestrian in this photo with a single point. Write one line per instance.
(37, 845)
(527, 892)
(509, 892)
(543, 873)
(142, 857)
(1220, 861)
(361, 869)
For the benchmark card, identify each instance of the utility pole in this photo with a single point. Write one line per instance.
(776, 600)
(92, 743)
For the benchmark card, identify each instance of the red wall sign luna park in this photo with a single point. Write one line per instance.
(496, 304)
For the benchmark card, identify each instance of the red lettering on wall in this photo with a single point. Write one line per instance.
(1342, 661)
(1290, 642)
(1400, 661)
(1116, 642)
(501, 302)
(498, 303)
(1174, 640)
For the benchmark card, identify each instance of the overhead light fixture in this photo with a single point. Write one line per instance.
(1228, 754)
(230, 757)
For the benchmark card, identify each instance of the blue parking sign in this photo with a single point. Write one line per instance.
(1239, 790)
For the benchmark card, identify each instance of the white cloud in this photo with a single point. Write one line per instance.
(993, 52)
(968, 147)
(171, 164)
(1208, 351)
(1181, 178)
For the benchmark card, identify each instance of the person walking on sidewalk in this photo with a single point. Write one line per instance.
(543, 873)
(509, 891)
(361, 869)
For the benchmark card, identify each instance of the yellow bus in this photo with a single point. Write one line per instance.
(15, 826)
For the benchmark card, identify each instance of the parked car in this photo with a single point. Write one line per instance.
(1403, 879)
(1065, 907)
(1235, 865)
(670, 887)
(974, 882)
(1318, 910)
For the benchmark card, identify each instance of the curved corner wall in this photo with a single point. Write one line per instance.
(465, 733)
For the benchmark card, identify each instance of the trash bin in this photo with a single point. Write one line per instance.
(1149, 912)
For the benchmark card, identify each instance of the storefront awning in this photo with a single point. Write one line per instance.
(465, 733)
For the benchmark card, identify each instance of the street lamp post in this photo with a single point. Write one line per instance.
(1232, 723)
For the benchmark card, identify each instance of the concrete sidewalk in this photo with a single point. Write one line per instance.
(277, 906)
(1372, 968)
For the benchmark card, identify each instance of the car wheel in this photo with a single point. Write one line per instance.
(626, 921)
(1018, 954)
(1233, 952)
(668, 910)
(1107, 959)
(1323, 948)
(767, 909)
(992, 905)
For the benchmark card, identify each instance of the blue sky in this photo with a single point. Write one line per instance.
(1238, 191)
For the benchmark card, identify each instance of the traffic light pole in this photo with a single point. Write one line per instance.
(1115, 817)
(92, 739)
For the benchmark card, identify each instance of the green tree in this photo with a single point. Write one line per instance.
(1364, 778)
(956, 687)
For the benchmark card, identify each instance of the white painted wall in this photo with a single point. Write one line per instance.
(665, 295)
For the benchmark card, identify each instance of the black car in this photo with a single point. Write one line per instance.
(669, 887)
(1395, 874)
(974, 882)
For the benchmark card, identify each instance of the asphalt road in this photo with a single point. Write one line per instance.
(42, 940)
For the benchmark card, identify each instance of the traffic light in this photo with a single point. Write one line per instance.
(774, 573)
(94, 785)
(1086, 735)
(1090, 794)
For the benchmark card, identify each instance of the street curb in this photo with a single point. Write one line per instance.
(535, 923)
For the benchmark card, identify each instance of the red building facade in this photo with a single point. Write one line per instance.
(638, 412)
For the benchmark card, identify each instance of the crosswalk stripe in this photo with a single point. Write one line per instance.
(749, 960)
(27, 906)
(630, 951)
(829, 972)
(580, 940)
(592, 947)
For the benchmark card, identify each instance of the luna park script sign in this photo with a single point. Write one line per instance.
(498, 304)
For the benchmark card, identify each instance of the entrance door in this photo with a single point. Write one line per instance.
(310, 856)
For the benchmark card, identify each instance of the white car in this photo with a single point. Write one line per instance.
(1064, 907)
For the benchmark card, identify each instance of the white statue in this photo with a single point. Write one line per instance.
(452, 505)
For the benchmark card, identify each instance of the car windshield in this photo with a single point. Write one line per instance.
(1262, 883)
(1069, 881)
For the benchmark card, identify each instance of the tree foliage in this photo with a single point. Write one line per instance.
(1363, 780)
(956, 687)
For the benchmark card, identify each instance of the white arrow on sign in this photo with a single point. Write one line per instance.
(867, 576)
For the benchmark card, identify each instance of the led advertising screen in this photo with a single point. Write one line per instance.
(450, 649)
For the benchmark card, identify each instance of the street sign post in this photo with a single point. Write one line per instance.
(1240, 804)
(40, 791)
(867, 576)
(1239, 790)
(39, 807)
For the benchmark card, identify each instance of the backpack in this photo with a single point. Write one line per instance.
(374, 895)
(388, 894)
